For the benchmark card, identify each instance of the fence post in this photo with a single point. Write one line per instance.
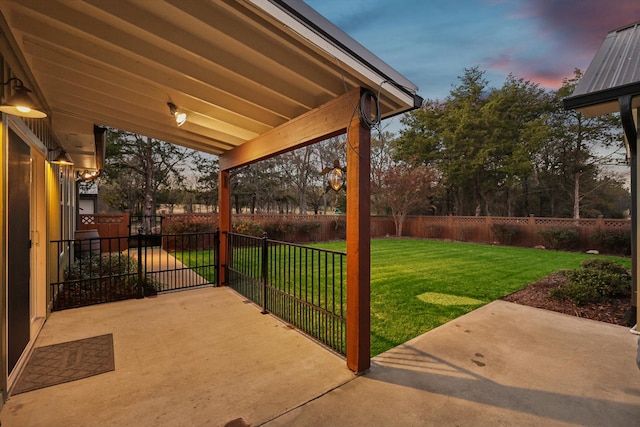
(140, 290)
(216, 255)
(265, 260)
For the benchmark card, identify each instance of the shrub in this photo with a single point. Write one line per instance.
(504, 233)
(596, 281)
(248, 228)
(559, 238)
(188, 226)
(105, 277)
(279, 230)
(310, 229)
(605, 265)
(613, 241)
(465, 232)
(340, 227)
(435, 231)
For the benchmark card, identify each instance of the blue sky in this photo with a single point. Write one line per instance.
(431, 42)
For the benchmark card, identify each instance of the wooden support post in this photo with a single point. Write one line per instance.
(224, 204)
(358, 245)
(635, 212)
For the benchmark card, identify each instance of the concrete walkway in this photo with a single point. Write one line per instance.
(166, 270)
(205, 357)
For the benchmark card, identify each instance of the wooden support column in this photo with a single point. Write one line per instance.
(358, 245)
(224, 221)
(635, 212)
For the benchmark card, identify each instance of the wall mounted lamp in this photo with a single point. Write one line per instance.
(88, 175)
(21, 104)
(178, 115)
(62, 159)
(336, 176)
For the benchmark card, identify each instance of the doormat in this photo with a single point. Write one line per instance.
(68, 361)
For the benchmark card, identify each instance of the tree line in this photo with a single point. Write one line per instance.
(507, 151)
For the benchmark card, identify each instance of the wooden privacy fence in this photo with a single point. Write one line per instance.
(589, 233)
(585, 234)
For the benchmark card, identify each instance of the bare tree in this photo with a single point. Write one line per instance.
(404, 188)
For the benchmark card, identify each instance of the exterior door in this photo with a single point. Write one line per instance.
(18, 248)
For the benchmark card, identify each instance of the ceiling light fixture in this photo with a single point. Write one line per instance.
(179, 116)
(62, 159)
(21, 104)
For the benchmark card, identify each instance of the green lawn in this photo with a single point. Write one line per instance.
(418, 285)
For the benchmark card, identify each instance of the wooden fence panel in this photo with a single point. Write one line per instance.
(486, 229)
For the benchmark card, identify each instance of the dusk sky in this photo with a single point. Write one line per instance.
(431, 42)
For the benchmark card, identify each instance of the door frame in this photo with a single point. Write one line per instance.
(38, 235)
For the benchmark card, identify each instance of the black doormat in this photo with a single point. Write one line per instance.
(68, 361)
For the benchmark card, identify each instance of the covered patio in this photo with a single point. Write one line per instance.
(206, 357)
(243, 80)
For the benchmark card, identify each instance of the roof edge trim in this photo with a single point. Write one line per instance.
(601, 96)
(311, 23)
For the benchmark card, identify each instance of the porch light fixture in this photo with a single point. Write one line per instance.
(336, 179)
(62, 159)
(88, 175)
(336, 176)
(21, 104)
(179, 116)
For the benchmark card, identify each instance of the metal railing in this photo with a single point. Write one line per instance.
(103, 269)
(302, 285)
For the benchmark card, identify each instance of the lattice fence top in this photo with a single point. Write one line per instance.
(87, 219)
(566, 222)
(616, 223)
(469, 220)
(102, 218)
(513, 221)
(194, 217)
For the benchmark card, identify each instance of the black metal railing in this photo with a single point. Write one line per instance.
(98, 269)
(302, 285)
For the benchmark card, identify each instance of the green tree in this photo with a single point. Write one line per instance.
(517, 114)
(453, 136)
(206, 183)
(138, 167)
(576, 147)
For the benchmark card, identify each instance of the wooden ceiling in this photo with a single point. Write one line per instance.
(240, 69)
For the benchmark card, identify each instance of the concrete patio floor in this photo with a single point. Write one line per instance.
(205, 357)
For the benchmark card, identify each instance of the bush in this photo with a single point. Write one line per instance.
(435, 231)
(101, 278)
(613, 241)
(560, 238)
(605, 265)
(188, 226)
(248, 228)
(279, 230)
(340, 227)
(504, 233)
(465, 232)
(310, 229)
(597, 280)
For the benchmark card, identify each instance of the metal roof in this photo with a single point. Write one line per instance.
(238, 68)
(613, 72)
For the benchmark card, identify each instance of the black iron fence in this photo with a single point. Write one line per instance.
(302, 285)
(93, 270)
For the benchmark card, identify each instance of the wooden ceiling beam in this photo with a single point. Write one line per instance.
(328, 120)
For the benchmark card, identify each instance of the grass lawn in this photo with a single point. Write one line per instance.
(418, 285)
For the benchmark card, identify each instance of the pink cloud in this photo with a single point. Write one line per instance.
(582, 24)
(568, 35)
